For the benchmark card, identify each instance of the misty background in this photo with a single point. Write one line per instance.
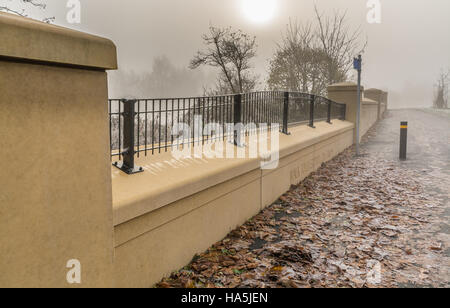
(156, 39)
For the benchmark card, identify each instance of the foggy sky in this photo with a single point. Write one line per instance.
(404, 56)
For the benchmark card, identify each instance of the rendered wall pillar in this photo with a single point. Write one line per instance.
(377, 96)
(385, 99)
(346, 93)
(55, 179)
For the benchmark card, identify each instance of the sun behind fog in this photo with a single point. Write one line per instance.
(259, 11)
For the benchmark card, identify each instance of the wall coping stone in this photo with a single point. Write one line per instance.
(344, 86)
(368, 101)
(27, 40)
(373, 90)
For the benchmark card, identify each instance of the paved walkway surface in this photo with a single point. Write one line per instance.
(368, 221)
(429, 160)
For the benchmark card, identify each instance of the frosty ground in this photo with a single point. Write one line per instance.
(368, 221)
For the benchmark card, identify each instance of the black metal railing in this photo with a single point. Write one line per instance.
(145, 126)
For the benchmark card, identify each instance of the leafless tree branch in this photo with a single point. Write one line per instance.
(35, 3)
(231, 51)
(314, 55)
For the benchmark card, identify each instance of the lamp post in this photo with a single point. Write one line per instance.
(357, 65)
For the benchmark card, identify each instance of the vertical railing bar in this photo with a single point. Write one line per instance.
(153, 127)
(208, 109)
(285, 113)
(120, 131)
(237, 118)
(251, 110)
(269, 115)
(217, 117)
(266, 108)
(146, 126)
(138, 128)
(110, 129)
(255, 107)
(184, 120)
(223, 109)
(258, 106)
(311, 111)
(203, 120)
(199, 114)
(329, 112)
(166, 125)
(193, 121)
(159, 128)
(171, 124)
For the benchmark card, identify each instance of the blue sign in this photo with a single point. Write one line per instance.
(356, 64)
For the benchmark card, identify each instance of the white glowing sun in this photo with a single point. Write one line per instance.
(259, 11)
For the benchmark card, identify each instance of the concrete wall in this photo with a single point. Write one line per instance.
(55, 179)
(346, 93)
(380, 97)
(221, 195)
(369, 114)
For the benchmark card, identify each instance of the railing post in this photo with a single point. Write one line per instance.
(311, 111)
(286, 113)
(129, 113)
(329, 112)
(238, 120)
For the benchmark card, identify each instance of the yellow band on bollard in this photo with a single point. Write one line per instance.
(404, 126)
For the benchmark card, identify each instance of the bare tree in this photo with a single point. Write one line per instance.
(38, 4)
(338, 42)
(441, 94)
(232, 52)
(314, 55)
(299, 64)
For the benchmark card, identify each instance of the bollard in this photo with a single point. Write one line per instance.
(403, 140)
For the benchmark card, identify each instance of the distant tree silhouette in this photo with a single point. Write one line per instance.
(164, 80)
(441, 94)
(39, 4)
(232, 52)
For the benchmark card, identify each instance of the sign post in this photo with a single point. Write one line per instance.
(357, 65)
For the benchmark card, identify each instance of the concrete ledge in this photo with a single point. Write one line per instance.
(344, 87)
(373, 92)
(154, 219)
(167, 180)
(24, 39)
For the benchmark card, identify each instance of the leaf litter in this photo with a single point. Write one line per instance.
(329, 231)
